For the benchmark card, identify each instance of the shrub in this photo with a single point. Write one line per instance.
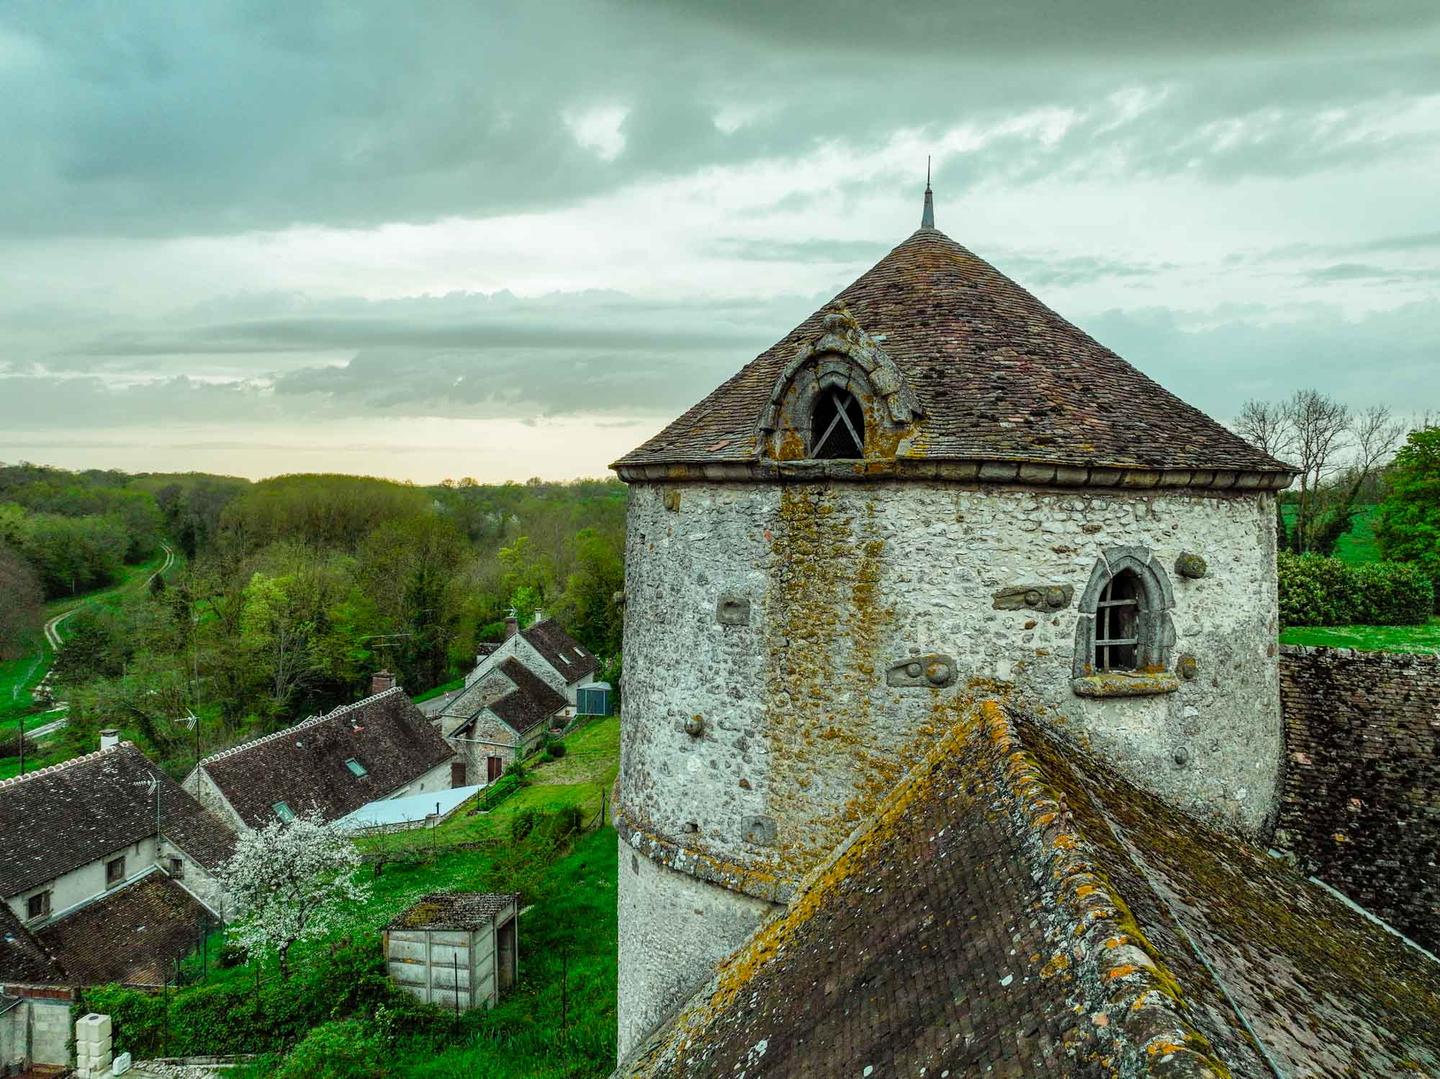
(231, 955)
(524, 823)
(237, 1015)
(344, 1049)
(498, 791)
(555, 750)
(1392, 594)
(10, 745)
(1326, 592)
(568, 821)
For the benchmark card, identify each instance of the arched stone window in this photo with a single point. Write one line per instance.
(1125, 627)
(837, 426)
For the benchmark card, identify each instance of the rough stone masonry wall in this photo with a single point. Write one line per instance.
(761, 621)
(1360, 807)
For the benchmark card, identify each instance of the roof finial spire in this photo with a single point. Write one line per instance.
(927, 219)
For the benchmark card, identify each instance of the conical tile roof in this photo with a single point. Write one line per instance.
(999, 378)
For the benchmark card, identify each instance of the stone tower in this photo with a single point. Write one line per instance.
(931, 486)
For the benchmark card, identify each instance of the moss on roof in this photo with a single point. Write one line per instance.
(1014, 905)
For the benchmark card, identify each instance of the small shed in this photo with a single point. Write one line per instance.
(593, 699)
(457, 950)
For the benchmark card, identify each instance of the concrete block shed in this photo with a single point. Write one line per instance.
(456, 950)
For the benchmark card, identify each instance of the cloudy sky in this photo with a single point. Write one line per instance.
(510, 240)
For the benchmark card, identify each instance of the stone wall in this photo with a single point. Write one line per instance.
(1360, 808)
(208, 794)
(673, 930)
(763, 623)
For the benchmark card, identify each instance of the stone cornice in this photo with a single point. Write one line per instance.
(753, 881)
(1024, 473)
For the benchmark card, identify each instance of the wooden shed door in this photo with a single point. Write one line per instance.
(457, 773)
(494, 766)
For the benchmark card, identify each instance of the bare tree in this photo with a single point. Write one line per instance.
(1374, 435)
(1320, 424)
(1266, 425)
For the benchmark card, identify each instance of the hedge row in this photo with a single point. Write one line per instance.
(1318, 591)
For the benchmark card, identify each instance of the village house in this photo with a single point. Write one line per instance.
(953, 736)
(546, 650)
(529, 682)
(107, 874)
(378, 748)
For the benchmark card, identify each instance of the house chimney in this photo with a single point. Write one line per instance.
(109, 738)
(380, 681)
(539, 617)
(512, 625)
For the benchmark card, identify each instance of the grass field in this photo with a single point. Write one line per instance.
(1424, 638)
(19, 677)
(583, 777)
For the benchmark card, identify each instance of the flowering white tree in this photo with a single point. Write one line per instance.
(286, 882)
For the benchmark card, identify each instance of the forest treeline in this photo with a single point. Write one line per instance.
(292, 591)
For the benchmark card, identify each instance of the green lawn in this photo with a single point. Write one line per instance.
(1356, 546)
(583, 777)
(1424, 638)
(440, 690)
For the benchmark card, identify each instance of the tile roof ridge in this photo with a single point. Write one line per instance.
(51, 769)
(1128, 978)
(309, 721)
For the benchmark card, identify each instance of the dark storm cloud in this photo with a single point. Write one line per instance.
(469, 356)
(162, 118)
(311, 334)
(1108, 28)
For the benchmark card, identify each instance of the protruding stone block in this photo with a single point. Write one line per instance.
(1037, 597)
(929, 670)
(1191, 565)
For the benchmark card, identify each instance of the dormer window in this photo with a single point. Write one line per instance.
(356, 768)
(839, 398)
(837, 427)
(38, 906)
(284, 812)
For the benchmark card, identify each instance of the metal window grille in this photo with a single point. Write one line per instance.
(1117, 624)
(838, 428)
